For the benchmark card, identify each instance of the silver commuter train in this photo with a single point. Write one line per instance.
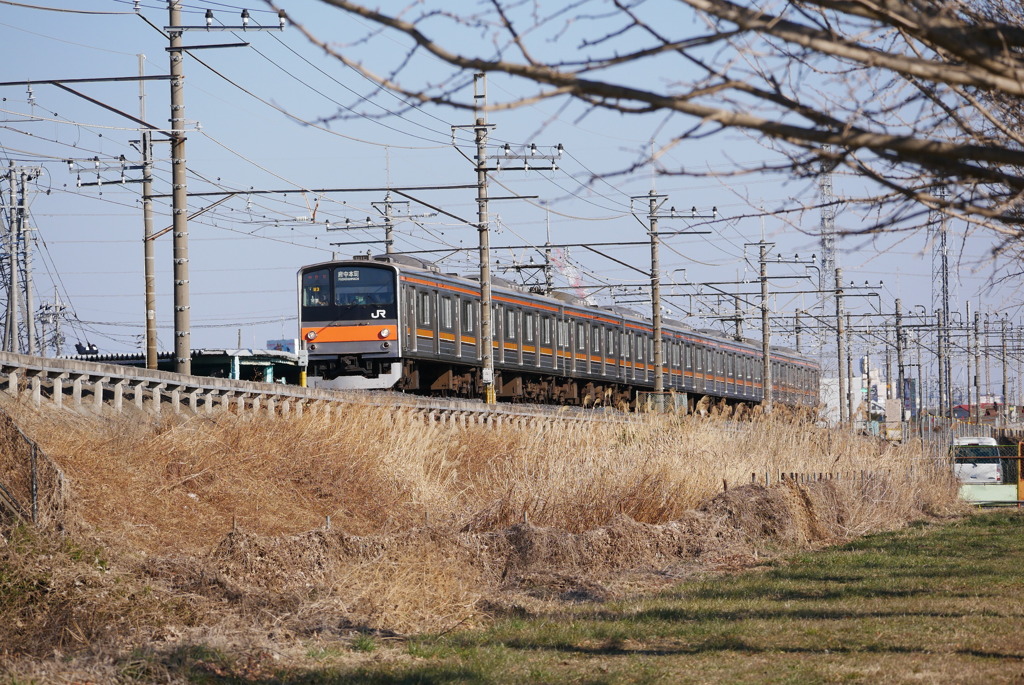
(394, 321)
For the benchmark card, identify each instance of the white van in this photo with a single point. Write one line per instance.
(976, 460)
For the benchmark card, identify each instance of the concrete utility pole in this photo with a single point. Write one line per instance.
(940, 354)
(659, 368)
(900, 393)
(179, 201)
(179, 188)
(20, 307)
(1006, 398)
(738, 335)
(766, 333)
(977, 367)
(653, 207)
(849, 368)
(840, 347)
(11, 343)
(480, 129)
(148, 245)
(386, 209)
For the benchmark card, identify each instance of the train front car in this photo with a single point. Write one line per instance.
(348, 321)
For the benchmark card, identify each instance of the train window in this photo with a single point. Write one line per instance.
(467, 315)
(581, 336)
(446, 313)
(563, 333)
(545, 330)
(528, 327)
(316, 288)
(611, 342)
(595, 338)
(641, 343)
(423, 307)
(510, 324)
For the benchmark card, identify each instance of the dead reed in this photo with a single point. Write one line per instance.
(160, 496)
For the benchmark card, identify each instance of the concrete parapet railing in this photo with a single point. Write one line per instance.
(83, 385)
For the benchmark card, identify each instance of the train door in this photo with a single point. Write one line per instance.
(447, 340)
(546, 352)
(511, 340)
(611, 363)
(409, 341)
(423, 316)
(563, 347)
(469, 315)
(687, 366)
(498, 333)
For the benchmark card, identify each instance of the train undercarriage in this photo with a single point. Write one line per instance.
(455, 380)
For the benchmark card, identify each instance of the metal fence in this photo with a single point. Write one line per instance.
(33, 489)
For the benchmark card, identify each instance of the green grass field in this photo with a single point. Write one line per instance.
(932, 603)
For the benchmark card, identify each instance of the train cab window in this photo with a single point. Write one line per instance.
(446, 313)
(468, 307)
(316, 288)
(423, 307)
(361, 286)
(510, 324)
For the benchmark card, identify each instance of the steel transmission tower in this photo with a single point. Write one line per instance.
(938, 236)
(827, 266)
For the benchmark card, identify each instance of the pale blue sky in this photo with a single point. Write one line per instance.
(244, 254)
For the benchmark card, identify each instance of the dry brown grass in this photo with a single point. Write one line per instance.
(201, 517)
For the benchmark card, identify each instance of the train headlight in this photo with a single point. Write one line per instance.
(311, 335)
(384, 332)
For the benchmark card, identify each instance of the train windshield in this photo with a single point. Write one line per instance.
(357, 285)
(348, 292)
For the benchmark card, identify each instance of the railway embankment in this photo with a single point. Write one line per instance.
(276, 535)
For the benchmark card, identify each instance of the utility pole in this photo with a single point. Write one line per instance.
(900, 389)
(179, 187)
(849, 369)
(977, 367)
(797, 329)
(940, 353)
(1006, 398)
(148, 245)
(738, 335)
(386, 210)
(11, 342)
(659, 370)
(766, 360)
(20, 307)
(840, 348)
(179, 192)
(653, 206)
(480, 129)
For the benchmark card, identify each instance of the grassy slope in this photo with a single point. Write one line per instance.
(926, 604)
